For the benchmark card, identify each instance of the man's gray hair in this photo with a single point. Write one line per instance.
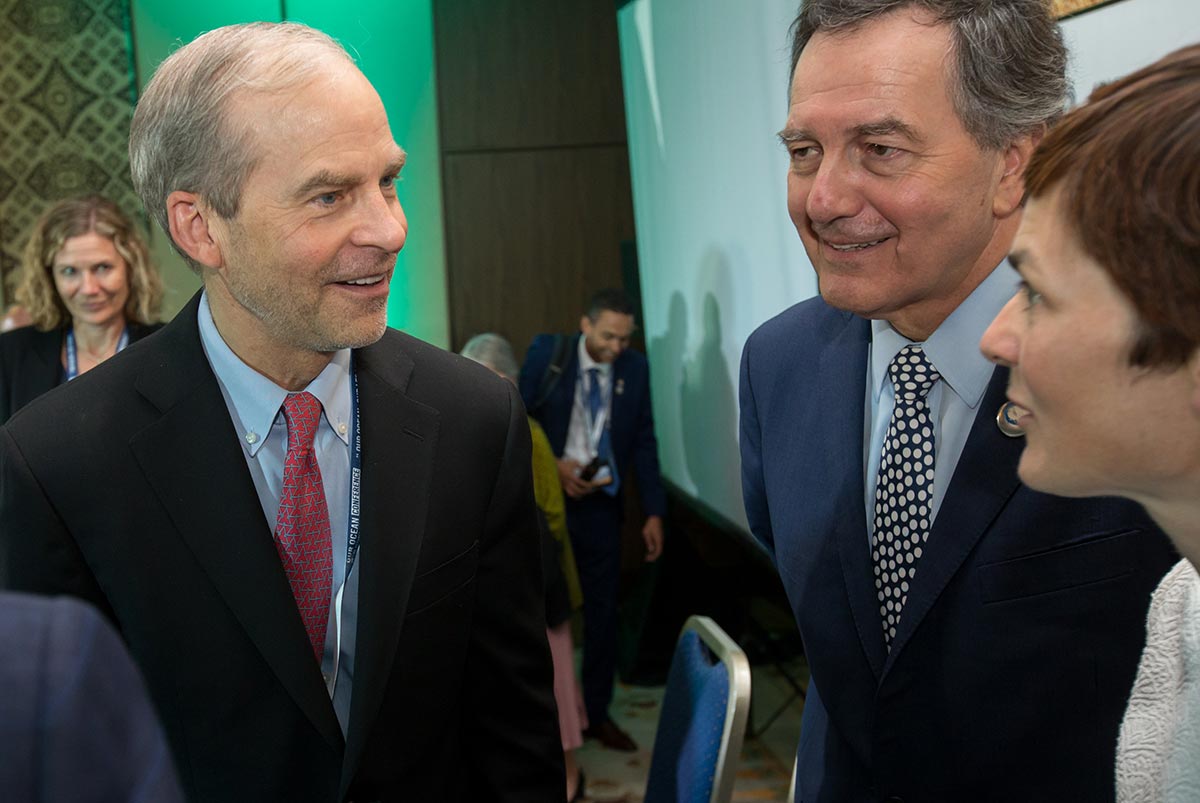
(183, 136)
(1009, 66)
(493, 351)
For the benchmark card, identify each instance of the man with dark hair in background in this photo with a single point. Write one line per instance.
(969, 639)
(316, 534)
(591, 394)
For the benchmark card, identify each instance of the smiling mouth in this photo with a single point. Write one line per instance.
(365, 282)
(854, 246)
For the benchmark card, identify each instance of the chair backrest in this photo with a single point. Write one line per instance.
(704, 710)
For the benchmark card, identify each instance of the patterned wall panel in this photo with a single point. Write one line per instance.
(66, 95)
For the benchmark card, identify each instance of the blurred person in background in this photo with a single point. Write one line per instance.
(591, 394)
(1103, 346)
(563, 592)
(89, 288)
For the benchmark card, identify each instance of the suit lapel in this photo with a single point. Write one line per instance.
(400, 438)
(984, 480)
(621, 423)
(842, 374)
(191, 459)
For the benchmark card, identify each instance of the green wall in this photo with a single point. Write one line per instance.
(393, 44)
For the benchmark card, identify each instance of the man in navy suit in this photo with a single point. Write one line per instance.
(969, 639)
(75, 721)
(591, 394)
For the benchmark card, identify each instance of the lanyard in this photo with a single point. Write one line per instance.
(594, 428)
(354, 527)
(73, 354)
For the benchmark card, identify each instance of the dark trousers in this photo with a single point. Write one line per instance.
(595, 526)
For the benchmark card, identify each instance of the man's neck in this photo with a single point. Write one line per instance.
(289, 367)
(920, 321)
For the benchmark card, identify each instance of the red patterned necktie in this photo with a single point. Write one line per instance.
(302, 528)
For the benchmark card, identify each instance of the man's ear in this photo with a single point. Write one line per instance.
(585, 324)
(1011, 190)
(191, 223)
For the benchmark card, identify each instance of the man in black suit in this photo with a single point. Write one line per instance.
(598, 419)
(317, 535)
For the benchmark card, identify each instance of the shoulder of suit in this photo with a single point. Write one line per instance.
(25, 337)
(435, 372)
(800, 321)
(632, 359)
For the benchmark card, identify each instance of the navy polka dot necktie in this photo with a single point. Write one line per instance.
(904, 487)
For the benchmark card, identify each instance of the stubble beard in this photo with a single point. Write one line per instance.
(292, 319)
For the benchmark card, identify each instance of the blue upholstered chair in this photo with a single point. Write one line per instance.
(704, 710)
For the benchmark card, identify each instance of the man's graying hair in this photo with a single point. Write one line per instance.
(1009, 58)
(183, 136)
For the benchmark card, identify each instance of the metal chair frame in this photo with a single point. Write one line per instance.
(737, 707)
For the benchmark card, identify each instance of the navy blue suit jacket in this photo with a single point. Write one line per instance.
(75, 721)
(1020, 639)
(632, 427)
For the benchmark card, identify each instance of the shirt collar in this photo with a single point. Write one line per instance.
(256, 400)
(586, 363)
(953, 348)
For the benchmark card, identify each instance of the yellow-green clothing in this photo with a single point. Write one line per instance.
(547, 492)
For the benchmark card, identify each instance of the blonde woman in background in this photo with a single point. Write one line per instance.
(87, 283)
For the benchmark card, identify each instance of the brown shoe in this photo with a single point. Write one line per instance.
(612, 737)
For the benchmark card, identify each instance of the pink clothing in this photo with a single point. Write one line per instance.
(572, 716)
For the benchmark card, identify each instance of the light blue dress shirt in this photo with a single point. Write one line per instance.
(953, 348)
(255, 404)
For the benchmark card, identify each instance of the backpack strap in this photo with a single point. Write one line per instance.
(553, 371)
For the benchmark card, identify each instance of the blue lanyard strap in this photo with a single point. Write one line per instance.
(355, 474)
(73, 352)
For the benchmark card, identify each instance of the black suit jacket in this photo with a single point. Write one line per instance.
(31, 363)
(127, 487)
(1020, 639)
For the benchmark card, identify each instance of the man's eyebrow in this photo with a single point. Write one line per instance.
(325, 180)
(329, 180)
(790, 135)
(396, 165)
(889, 126)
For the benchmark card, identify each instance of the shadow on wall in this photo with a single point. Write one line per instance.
(666, 378)
(708, 399)
(700, 435)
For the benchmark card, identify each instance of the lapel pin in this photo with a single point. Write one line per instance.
(620, 387)
(1008, 420)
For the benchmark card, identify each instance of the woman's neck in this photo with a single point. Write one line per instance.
(1179, 518)
(98, 340)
